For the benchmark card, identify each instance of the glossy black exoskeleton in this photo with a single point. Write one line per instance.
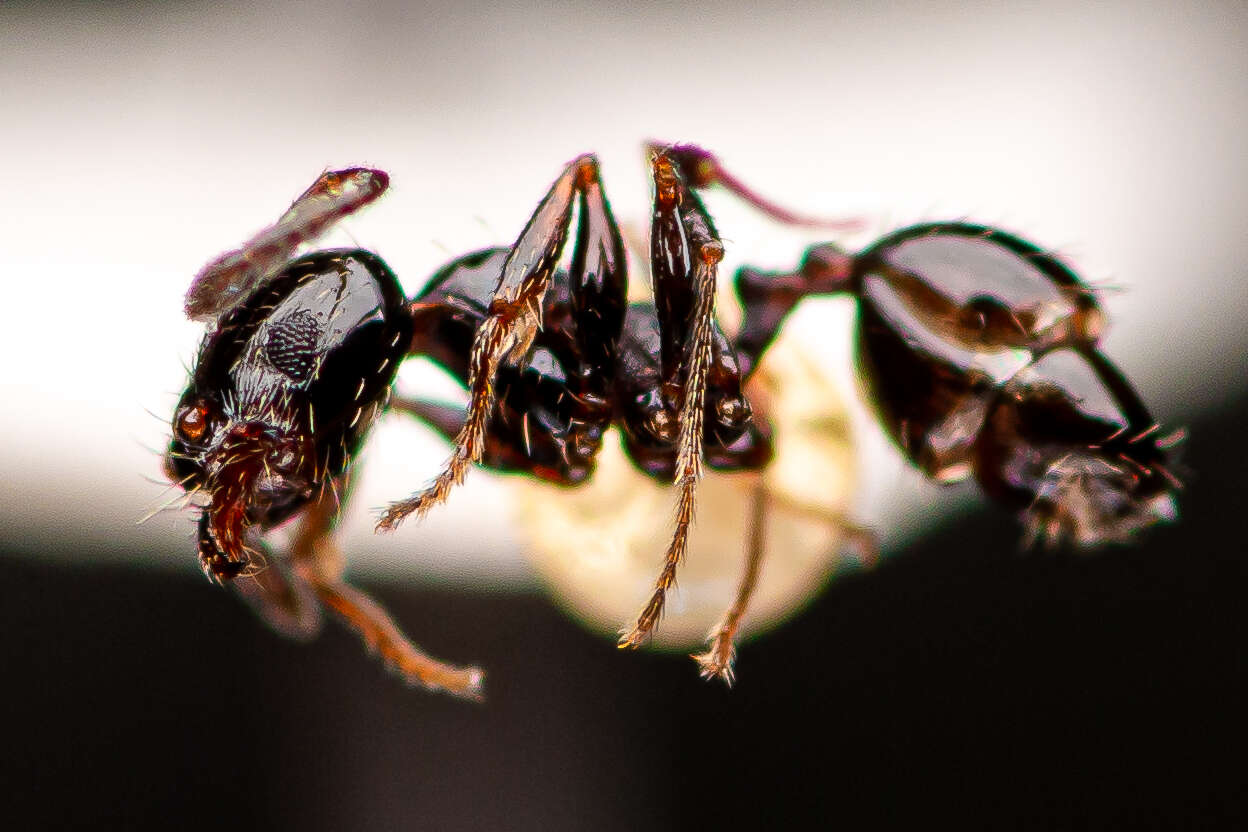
(553, 410)
(297, 364)
(980, 350)
(283, 394)
(552, 358)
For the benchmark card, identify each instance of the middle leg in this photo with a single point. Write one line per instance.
(506, 334)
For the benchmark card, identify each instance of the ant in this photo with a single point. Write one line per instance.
(980, 350)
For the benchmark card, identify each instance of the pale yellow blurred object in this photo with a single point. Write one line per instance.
(599, 547)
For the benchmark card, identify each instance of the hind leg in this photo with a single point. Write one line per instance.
(717, 661)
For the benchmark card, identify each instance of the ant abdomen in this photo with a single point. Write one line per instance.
(980, 351)
(1069, 442)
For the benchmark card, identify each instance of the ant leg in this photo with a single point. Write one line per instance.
(231, 277)
(446, 419)
(515, 316)
(721, 652)
(695, 230)
(598, 278)
(282, 601)
(318, 561)
(701, 169)
(863, 541)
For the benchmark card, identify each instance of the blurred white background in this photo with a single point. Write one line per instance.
(144, 139)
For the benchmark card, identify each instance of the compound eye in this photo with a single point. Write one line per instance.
(192, 422)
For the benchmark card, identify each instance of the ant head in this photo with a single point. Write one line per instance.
(272, 460)
(247, 469)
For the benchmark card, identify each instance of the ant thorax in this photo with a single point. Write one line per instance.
(594, 545)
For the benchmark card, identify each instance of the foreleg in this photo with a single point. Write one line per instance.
(318, 561)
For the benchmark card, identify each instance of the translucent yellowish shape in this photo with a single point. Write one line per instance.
(599, 547)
